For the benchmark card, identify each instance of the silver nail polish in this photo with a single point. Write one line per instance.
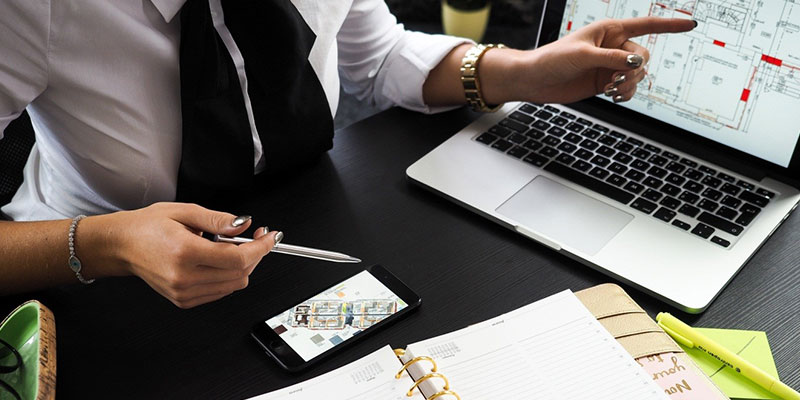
(611, 92)
(619, 98)
(240, 220)
(265, 229)
(620, 79)
(634, 60)
(278, 237)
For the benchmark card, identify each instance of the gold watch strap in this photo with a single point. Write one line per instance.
(469, 77)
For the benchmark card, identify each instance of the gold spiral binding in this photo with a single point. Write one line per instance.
(399, 352)
(414, 361)
(445, 393)
(425, 378)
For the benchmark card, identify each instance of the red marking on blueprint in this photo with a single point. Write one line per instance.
(661, 5)
(569, 25)
(684, 11)
(771, 60)
(745, 95)
(718, 43)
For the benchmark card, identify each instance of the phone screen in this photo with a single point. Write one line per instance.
(335, 315)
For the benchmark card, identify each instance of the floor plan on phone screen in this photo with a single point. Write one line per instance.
(725, 80)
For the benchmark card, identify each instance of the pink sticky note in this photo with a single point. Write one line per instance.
(679, 379)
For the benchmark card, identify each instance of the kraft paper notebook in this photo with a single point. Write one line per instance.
(554, 348)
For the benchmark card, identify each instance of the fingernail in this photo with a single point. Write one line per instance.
(278, 237)
(617, 99)
(634, 60)
(265, 229)
(240, 220)
(695, 23)
(611, 92)
(619, 79)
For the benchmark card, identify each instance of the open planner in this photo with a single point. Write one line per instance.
(551, 349)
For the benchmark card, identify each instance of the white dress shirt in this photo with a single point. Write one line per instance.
(101, 82)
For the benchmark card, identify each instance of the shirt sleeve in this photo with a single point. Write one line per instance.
(381, 62)
(24, 35)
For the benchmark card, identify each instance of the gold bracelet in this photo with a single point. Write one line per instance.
(469, 77)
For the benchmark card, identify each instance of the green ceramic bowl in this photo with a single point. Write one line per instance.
(31, 330)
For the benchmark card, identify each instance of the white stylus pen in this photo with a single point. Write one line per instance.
(293, 250)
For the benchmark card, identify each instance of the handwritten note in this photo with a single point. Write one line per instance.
(675, 375)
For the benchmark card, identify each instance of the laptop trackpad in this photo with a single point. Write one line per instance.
(564, 215)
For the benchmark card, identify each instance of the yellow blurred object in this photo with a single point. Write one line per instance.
(465, 23)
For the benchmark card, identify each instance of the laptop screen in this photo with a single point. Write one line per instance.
(735, 79)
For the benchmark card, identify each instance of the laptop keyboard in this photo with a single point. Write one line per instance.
(680, 191)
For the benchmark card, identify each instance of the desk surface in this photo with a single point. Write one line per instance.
(118, 336)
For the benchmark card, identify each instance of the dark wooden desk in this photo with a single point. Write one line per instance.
(119, 339)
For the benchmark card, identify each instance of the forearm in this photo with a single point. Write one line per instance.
(443, 86)
(35, 254)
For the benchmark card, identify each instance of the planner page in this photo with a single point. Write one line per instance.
(551, 349)
(369, 378)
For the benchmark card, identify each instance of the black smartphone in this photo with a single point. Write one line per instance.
(316, 328)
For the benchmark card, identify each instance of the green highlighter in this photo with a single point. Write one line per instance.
(689, 337)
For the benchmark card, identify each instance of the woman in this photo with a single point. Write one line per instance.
(102, 84)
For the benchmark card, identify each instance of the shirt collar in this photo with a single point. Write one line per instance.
(168, 8)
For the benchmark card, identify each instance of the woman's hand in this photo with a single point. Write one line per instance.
(162, 245)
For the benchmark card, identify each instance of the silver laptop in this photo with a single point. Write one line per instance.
(671, 192)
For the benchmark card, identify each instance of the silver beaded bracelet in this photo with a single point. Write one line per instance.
(74, 262)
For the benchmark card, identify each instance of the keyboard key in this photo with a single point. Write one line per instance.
(617, 168)
(643, 205)
(693, 174)
(535, 134)
(712, 194)
(708, 205)
(671, 156)
(552, 109)
(575, 127)
(617, 135)
(688, 162)
(532, 145)
(543, 115)
(517, 152)
(548, 151)
(658, 160)
(600, 128)
(707, 170)
(711, 181)
(527, 108)
(675, 179)
(681, 224)
(541, 125)
(671, 190)
(634, 187)
(607, 140)
(559, 121)
(670, 202)
(502, 145)
(693, 187)
(652, 149)
(605, 151)
(652, 182)
(600, 160)
(721, 224)
(583, 154)
(640, 165)
(591, 133)
(703, 230)
(746, 185)
(573, 138)
(764, 192)
(634, 141)
(599, 173)
(634, 175)
(665, 214)
(567, 147)
(556, 131)
(535, 159)
(657, 172)
(689, 210)
(616, 180)
(518, 116)
(726, 177)
(720, 241)
(641, 153)
(748, 213)
(623, 158)
(590, 183)
(486, 138)
(565, 159)
(517, 138)
(499, 131)
(585, 121)
(652, 195)
(730, 189)
(751, 197)
(675, 167)
(689, 197)
(513, 125)
(727, 213)
(624, 147)
(568, 115)
(581, 165)
(589, 144)
(551, 141)
(731, 202)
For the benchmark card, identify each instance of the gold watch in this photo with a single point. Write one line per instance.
(469, 77)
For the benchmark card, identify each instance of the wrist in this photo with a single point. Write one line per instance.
(97, 246)
(498, 72)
